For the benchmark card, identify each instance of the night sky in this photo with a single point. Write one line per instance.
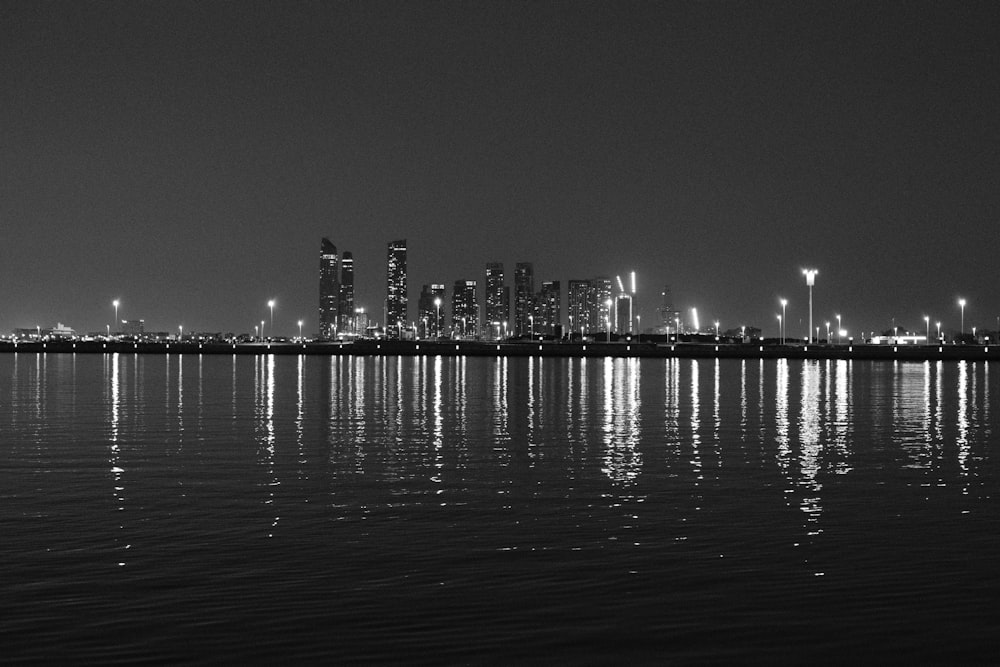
(187, 157)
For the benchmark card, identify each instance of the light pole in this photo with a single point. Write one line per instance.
(300, 329)
(115, 303)
(827, 333)
(927, 321)
(638, 326)
(743, 333)
(961, 302)
(716, 329)
(180, 330)
(255, 332)
(839, 329)
(810, 280)
(531, 332)
(939, 331)
(608, 304)
(270, 304)
(781, 321)
(262, 329)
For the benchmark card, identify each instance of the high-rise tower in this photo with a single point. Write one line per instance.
(395, 291)
(345, 316)
(329, 289)
(465, 309)
(497, 300)
(524, 297)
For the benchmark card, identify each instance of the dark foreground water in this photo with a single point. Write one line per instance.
(453, 510)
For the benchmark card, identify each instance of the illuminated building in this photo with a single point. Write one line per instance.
(548, 318)
(431, 308)
(465, 309)
(524, 298)
(329, 289)
(395, 296)
(345, 315)
(600, 314)
(623, 313)
(497, 300)
(578, 306)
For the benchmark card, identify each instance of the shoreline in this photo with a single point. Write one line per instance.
(685, 350)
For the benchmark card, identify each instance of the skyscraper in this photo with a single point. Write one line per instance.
(623, 313)
(431, 306)
(549, 317)
(465, 309)
(345, 319)
(601, 314)
(524, 297)
(669, 315)
(578, 306)
(497, 300)
(395, 292)
(329, 289)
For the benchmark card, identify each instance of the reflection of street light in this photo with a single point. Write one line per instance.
(781, 320)
(810, 275)
(961, 302)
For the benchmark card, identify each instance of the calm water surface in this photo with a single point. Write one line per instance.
(453, 510)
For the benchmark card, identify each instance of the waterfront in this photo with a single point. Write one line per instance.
(491, 509)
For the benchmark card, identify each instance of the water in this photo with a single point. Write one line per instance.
(477, 510)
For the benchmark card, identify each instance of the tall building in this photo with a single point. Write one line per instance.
(549, 312)
(395, 290)
(623, 313)
(329, 289)
(524, 297)
(669, 315)
(345, 314)
(431, 307)
(465, 309)
(497, 301)
(601, 313)
(578, 306)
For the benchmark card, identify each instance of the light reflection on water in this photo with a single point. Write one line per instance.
(356, 490)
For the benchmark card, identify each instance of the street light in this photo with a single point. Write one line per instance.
(255, 335)
(270, 304)
(115, 303)
(927, 321)
(262, 329)
(531, 332)
(638, 322)
(716, 329)
(300, 329)
(827, 333)
(608, 319)
(180, 329)
(781, 321)
(810, 275)
(939, 330)
(961, 302)
(839, 328)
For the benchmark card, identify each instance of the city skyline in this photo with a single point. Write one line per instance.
(184, 159)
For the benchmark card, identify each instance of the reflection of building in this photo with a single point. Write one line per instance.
(431, 307)
(345, 311)
(497, 300)
(329, 289)
(395, 297)
(548, 317)
(464, 309)
(524, 296)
